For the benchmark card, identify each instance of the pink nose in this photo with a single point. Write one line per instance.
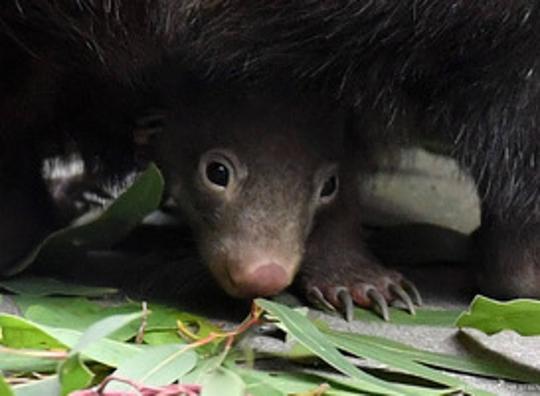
(266, 280)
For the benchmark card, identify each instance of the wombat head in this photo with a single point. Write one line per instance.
(250, 174)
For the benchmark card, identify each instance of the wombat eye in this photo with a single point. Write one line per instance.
(221, 172)
(329, 187)
(218, 173)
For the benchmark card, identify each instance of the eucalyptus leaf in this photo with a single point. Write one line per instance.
(401, 362)
(260, 383)
(36, 286)
(292, 382)
(18, 332)
(475, 365)
(5, 389)
(204, 368)
(110, 227)
(105, 351)
(305, 332)
(49, 386)
(128, 210)
(74, 375)
(342, 382)
(18, 363)
(76, 314)
(157, 366)
(223, 382)
(162, 338)
(103, 328)
(491, 316)
(79, 313)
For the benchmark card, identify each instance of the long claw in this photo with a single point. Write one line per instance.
(315, 295)
(411, 288)
(378, 301)
(403, 296)
(347, 305)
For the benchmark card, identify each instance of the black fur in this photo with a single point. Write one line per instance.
(467, 71)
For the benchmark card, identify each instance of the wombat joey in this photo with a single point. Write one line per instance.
(257, 177)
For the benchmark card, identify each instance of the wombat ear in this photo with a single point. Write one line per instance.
(146, 127)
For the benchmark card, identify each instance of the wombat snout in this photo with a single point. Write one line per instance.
(245, 269)
(265, 279)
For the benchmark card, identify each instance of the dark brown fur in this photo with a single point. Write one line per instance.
(467, 71)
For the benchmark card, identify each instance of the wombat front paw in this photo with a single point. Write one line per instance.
(367, 285)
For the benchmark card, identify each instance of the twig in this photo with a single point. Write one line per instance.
(144, 323)
(253, 318)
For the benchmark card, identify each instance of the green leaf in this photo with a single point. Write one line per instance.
(74, 375)
(204, 368)
(128, 210)
(398, 361)
(260, 383)
(308, 335)
(49, 386)
(223, 382)
(207, 367)
(157, 366)
(5, 389)
(35, 286)
(162, 338)
(347, 383)
(105, 351)
(21, 333)
(263, 384)
(79, 314)
(491, 316)
(14, 362)
(476, 365)
(103, 328)
(75, 313)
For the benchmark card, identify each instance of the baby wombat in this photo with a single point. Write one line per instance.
(266, 184)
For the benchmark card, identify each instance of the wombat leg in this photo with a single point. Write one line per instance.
(508, 259)
(507, 244)
(503, 156)
(338, 271)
